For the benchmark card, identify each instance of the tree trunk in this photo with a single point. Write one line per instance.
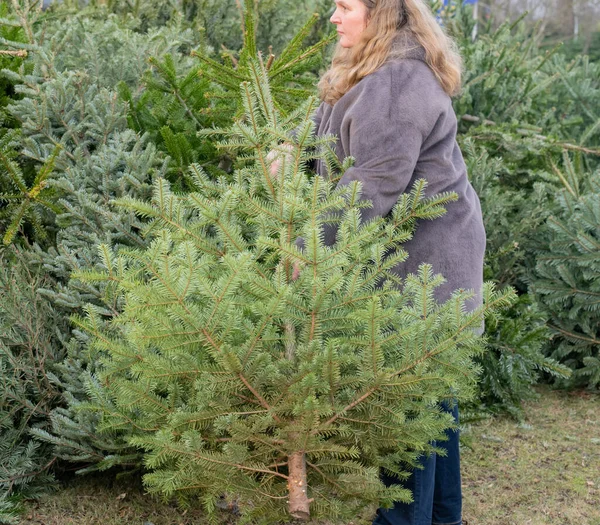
(299, 504)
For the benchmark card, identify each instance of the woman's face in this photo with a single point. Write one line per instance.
(350, 17)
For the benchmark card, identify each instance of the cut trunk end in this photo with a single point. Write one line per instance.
(299, 505)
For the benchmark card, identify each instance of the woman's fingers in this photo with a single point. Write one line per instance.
(275, 156)
(273, 162)
(296, 271)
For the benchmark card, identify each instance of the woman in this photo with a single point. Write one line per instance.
(387, 99)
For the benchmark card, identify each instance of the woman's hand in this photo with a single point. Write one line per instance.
(296, 271)
(275, 156)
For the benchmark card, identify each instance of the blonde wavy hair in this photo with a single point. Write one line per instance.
(393, 23)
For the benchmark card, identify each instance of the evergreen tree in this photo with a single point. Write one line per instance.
(576, 99)
(514, 89)
(219, 21)
(514, 359)
(85, 80)
(31, 343)
(567, 277)
(72, 117)
(283, 378)
(286, 71)
(576, 48)
(70, 120)
(181, 97)
(521, 107)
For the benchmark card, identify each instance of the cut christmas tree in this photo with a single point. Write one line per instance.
(285, 379)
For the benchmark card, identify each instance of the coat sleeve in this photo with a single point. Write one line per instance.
(318, 115)
(385, 131)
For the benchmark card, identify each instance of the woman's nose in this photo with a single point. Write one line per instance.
(335, 19)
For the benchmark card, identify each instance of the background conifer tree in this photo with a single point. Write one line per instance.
(182, 97)
(69, 116)
(520, 109)
(31, 344)
(219, 21)
(567, 281)
(515, 357)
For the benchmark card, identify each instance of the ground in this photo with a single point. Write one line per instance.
(544, 470)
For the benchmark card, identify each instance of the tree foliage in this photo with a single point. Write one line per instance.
(566, 281)
(183, 96)
(288, 392)
(31, 343)
(523, 108)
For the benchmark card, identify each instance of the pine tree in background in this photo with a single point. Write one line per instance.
(31, 343)
(182, 98)
(511, 85)
(109, 50)
(284, 379)
(520, 109)
(171, 108)
(513, 212)
(284, 70)
(575, 48)
(22, 197)
(525, 105)
(127, 164)
(566, 281)
(576, 99)
(515, 358)
(99, 159)
(219, 21)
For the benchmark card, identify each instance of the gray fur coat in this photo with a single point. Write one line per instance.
(399, 125)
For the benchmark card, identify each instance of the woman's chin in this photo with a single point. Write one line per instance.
(344, 41)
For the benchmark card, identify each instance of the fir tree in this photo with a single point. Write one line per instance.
(521, 107)
(281, 377)
(283, 70)
(219, 21)
(31, 343)
(515, 359)
(567, 277)
(99, 159)
(182, 97)
(67, 103)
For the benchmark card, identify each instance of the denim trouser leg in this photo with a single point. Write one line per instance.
(436, 489)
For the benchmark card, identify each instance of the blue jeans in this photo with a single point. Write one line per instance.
(436, 489)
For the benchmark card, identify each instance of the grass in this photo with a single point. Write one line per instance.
(542, 471)
(92, 500)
